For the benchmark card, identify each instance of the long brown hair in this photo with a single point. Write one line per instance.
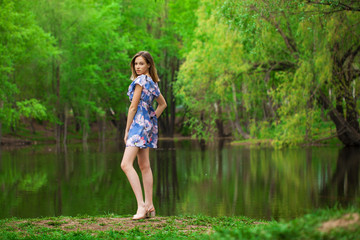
(149, 60)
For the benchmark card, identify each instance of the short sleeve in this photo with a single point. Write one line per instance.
(140, 80)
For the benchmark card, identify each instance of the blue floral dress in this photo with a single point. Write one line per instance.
(143, 131)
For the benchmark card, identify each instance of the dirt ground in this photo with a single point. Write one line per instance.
(115, 224)
(348, 221)
(93, 224)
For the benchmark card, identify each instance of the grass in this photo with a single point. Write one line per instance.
(253, 142)
(322, 224)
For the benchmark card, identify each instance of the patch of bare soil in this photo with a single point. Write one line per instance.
(115, 224)
(348, 221)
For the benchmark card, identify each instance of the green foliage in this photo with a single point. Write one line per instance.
(182, 23)
(93, 56)
(305, 227)
(73, 57)
(285, 57)
(31, 109)
(253, 65)
(21, 39)
(206, 78)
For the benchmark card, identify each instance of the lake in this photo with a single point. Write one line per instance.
(217, 179)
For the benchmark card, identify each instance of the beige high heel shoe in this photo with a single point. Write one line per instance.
(140, 216)
(150, 213)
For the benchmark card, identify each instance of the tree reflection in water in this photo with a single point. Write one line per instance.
(257, 182)
(344, 182)
(190, 177)
(166, 177)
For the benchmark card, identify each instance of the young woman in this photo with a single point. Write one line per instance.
(141, 131)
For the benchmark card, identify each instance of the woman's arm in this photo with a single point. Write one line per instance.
(133, 109)
(161, 105)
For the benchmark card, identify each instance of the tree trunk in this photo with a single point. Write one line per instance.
(121, 125)
(33, 131)
(218, 121)
(85, 131)
(346, 120)
(65, 124)
(102, 128)
(76, 119)
(236, 123)
(1, 105)
(172, 101)
(57, 125)
(347, 134)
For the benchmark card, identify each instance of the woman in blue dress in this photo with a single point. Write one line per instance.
(141, 131)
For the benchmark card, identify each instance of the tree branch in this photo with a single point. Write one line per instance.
(348, 8)
(290, 43)
(273, 66)
(350, 53)
(356, 73)
(342, 6)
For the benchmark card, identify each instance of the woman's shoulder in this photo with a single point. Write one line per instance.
(141, 80)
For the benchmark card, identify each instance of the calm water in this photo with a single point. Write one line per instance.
(214, 180)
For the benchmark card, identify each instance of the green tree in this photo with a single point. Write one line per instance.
(290, 69)
(209, 77)
(315, 56)
(90, 73)
(78, 65)
(22, 43)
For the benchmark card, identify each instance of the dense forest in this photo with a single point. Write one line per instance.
(287, 71)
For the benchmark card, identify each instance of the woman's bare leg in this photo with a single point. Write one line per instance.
(128, 168)
(147, 176)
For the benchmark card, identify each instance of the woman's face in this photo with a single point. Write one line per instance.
(141, 67)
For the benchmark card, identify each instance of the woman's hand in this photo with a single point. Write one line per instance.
(126, 135)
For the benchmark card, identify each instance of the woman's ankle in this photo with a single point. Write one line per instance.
(141, 205)
(149, 206)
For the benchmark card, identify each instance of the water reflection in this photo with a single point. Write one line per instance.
(166, 179)
(189, 178)
(343, 185)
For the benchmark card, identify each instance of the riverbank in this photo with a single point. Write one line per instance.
(272, 143)
(322, 224)
(44, 134)
(31, 134)
(18, 141)
(24, 137)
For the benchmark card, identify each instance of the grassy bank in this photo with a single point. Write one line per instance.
(322, 224)
(277, 144)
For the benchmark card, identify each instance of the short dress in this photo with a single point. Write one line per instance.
(143, 130)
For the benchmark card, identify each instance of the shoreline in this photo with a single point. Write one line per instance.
(23, 142)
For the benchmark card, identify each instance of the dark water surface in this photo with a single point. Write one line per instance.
(215, 180)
